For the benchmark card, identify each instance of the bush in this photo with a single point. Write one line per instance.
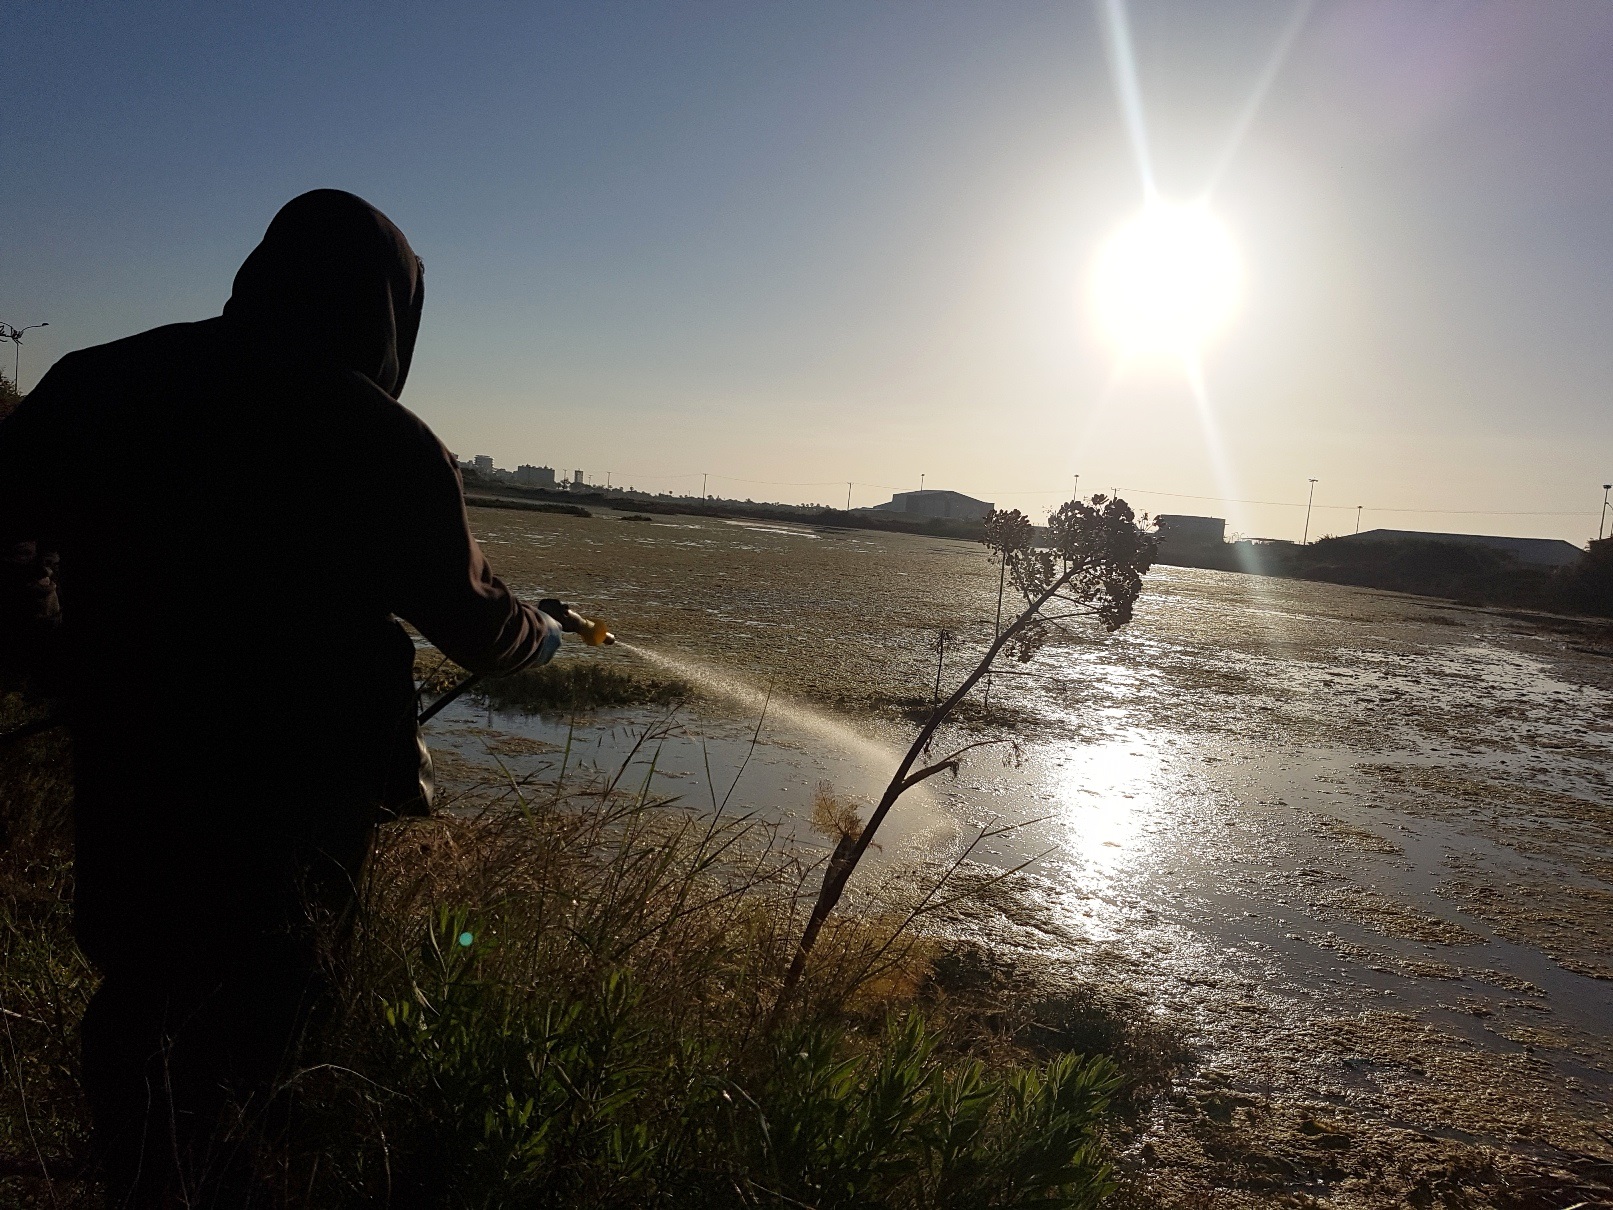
(1587, 586)
(519, 1096)
(10, 396)
(1427, 568)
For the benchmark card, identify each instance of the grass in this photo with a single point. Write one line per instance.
(527, 506)
(44, 982)
(561, 687)
(604, 1036)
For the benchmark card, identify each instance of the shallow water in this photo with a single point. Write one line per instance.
(1360, 844)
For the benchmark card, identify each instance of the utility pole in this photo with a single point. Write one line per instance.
(607, 481)
(1075, 488)
(1606, 487)
(1305, 541)
(1358, 509)
(14, 335)
(848, 497)
(703, 495)
(921, 481)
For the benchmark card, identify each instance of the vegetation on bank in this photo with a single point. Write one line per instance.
(1472, 575)
(10, 397)
(559, 995)
(1461, 573)
(527, 506)
(564, 686)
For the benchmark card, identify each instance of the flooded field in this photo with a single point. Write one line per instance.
(1359, 846)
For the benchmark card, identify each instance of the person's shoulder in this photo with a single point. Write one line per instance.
(133, 356)
(181, 338)
(388, 421)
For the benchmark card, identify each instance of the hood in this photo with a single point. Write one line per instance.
(333, 275)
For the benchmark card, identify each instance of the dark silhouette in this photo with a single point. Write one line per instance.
(1436, 566)
(242, 510)
(10, 396)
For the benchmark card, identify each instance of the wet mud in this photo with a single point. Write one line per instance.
(1355, 848)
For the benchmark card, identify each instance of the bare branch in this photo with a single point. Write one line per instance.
(913, 779)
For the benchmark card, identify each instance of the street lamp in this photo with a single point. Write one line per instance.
(14, 335)
(1305, 541)
(1601, 524)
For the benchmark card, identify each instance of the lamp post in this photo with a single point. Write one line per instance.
(1358, 509)
(1305, 541)
(1602, 523)
(14, 335)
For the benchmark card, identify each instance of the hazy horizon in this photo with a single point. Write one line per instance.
(792, 246)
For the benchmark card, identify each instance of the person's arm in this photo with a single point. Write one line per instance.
(441, 582)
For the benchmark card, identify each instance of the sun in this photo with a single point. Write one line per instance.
(1167, 283)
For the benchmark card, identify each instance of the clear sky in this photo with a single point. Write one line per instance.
(796, 244)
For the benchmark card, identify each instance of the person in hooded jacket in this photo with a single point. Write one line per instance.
(242, 511)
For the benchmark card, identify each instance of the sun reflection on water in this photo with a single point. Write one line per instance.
(1102, 796)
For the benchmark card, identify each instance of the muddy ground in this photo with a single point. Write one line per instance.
(1355, 847)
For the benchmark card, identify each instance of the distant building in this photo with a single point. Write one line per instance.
(1536, 552)
(1192, 529)
(535, 476)
(576, 479)
(483, 464)
(951, 506)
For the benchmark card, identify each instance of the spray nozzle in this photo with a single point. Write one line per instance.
(595, 634)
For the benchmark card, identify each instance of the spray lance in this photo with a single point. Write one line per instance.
(595, 634)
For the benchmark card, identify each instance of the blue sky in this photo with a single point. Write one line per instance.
(791, 245)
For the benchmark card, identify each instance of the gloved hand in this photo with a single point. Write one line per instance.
(550, 643)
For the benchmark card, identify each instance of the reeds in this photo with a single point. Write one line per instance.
(563, 999)
(559, 994)
(564, 686)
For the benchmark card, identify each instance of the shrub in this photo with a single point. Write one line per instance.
(1587, 586)
(500, 1093)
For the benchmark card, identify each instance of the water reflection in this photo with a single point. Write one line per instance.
(1104, 794)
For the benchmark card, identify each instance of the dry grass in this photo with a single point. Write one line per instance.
(561, 998)
(565, 686)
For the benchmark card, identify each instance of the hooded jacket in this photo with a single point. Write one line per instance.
(242, 511)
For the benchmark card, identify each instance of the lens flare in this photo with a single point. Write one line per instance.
(1167, 283)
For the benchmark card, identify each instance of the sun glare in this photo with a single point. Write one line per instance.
(1167, 282)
